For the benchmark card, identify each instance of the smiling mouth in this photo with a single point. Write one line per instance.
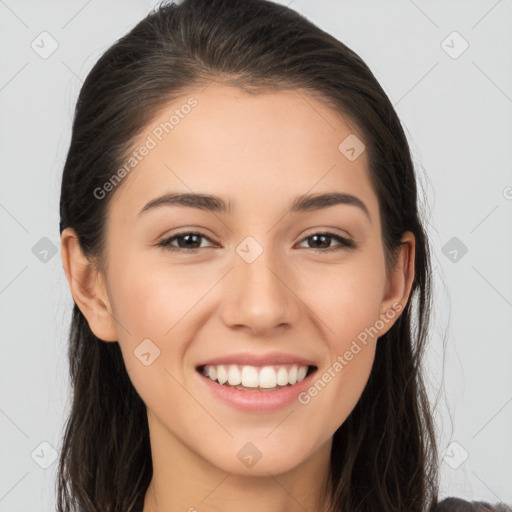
(251, 378)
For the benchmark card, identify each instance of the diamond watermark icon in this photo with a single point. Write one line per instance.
(44, 455)
(454, 45)
(455, 455)
(249, 455)
(249, 249)
(44, 45)
(351, 147)
(146, 352)
(454, 249)
(44, 250)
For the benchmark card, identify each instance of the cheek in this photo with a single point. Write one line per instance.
(348, 304)
(149, 299)
(351, 342)
(347, 299)
(152, 306)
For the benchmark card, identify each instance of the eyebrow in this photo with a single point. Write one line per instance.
(210, 203)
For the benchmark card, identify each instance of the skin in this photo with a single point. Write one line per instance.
(261, 151)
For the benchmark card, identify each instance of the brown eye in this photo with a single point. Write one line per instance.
(187, 241)
(322, 242)
(191, 242)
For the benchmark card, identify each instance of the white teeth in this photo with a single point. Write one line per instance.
(282, 376)
(302, 373)
(267, 377)
(222, 374)
(249, 377)
(254, 376)
(292, 375)
(234, 377)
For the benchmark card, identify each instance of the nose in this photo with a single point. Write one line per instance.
(259, 296)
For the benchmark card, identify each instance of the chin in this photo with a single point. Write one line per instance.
(259, 457)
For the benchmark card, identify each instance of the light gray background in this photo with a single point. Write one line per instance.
(456, 110)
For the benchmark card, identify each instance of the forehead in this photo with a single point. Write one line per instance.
(259, 149)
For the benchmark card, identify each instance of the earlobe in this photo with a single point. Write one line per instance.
(400, 280)
(87, 287)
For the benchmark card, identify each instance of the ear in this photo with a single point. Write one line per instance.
(88, 287)
(399, 283)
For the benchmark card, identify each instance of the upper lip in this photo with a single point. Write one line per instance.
(273, 358)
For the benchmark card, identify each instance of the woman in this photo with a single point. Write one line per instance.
(275, 365)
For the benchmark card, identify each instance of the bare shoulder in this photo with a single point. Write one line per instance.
(460, 505)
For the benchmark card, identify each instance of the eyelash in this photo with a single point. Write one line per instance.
(345, 243)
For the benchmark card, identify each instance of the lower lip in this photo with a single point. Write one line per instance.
(257, 400)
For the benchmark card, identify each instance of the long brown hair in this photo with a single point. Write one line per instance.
(384, 456)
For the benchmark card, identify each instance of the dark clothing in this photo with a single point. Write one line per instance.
(460, 505)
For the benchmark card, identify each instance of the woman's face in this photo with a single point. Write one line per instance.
(258, 278)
